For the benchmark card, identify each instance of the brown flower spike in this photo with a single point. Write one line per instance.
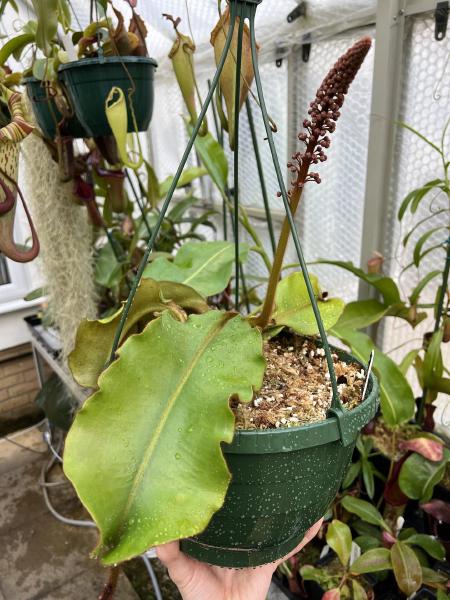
(323, 112)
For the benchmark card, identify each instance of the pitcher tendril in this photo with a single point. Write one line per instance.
(323, 113)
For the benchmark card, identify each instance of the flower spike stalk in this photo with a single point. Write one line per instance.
(323, 113)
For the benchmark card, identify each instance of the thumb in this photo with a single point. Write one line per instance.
(309, 535)
(178, 564)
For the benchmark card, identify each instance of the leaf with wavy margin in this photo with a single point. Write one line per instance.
(94, 339)
(144, 452)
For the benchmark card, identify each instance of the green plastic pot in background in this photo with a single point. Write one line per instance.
(283, 481)
(89, 81)
(47, 114)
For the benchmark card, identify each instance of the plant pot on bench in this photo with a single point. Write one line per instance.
(89, 81)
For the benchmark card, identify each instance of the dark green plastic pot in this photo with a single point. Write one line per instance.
(47, 114)
(89, 81)
(283, 481)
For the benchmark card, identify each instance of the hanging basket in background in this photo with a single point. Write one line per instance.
(50, 120)
(88, 83)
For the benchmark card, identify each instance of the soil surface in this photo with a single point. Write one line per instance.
(296, 387)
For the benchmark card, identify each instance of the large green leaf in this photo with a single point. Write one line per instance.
(433, 366)
(310, 573)
(441, 384)
(178, 210)
(362, 313)
(144, 453)
(432, 577)
(418, 476)
(187, 176)
(372, 561)
(4, 4)
(385, 285)
(339, 538)
(352, 473)
(417, 253)
(205, 266)
(153, 193)
(293, 307)
(64, 14)
(408, 360)
(15, 46)
(359, 593)
(397, 398)
(364, 510)
(418, 224)
(428, 543)
(368, 471)
(213, 158)
(108, 270)
(407, 569)
(367, 542)
(47, 18)
(95, 338)
(416, 196)
(57, 402)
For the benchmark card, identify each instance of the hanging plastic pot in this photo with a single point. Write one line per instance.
(283, 481)
(49, 118)
(10, 137)
(89, 81)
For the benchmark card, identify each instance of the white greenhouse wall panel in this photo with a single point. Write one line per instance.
(424, 105)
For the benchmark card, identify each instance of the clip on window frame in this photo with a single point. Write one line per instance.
(441, 20)
(299, 11)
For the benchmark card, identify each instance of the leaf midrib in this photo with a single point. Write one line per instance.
(204, 265)
(165, 415)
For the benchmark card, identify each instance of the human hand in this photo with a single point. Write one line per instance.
(200, 581)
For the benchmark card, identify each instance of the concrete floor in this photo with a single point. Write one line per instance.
(40, 557)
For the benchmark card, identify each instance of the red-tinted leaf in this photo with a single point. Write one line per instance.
(438, 509)
(387, 539)
(407, 569)
(392, 492)
(334, 594)
(430, 449)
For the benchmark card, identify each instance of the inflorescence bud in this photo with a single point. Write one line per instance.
(323, 113)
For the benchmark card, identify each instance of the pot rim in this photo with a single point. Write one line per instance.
(97, 60)
(288, 439)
